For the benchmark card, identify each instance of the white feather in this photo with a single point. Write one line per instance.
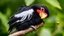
(25, 14)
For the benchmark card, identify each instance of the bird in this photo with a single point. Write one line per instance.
(28, 16)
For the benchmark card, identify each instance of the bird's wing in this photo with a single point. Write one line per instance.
(22, 16)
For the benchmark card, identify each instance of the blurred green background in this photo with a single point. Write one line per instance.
(54, 25)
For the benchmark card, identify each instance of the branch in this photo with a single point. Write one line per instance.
(22, 32)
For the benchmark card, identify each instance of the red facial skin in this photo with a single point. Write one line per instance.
(38, 11)
(42, 13)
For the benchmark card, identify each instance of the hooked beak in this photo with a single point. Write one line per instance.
(42, 15)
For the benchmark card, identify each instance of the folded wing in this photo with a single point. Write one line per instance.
(23, 15)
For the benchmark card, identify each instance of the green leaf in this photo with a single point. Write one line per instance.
(28, 2)
(54, 3)
(45, 32)
(4, 21)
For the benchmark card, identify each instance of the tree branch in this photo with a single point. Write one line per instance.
(22, 32)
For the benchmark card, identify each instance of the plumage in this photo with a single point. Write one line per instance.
(25, 17)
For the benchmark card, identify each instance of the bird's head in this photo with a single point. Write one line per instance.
(41, 10)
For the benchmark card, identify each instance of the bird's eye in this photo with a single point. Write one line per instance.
(42, 8)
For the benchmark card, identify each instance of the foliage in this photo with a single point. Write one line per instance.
(54, 25)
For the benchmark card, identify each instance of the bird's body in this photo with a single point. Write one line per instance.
(24, 18)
